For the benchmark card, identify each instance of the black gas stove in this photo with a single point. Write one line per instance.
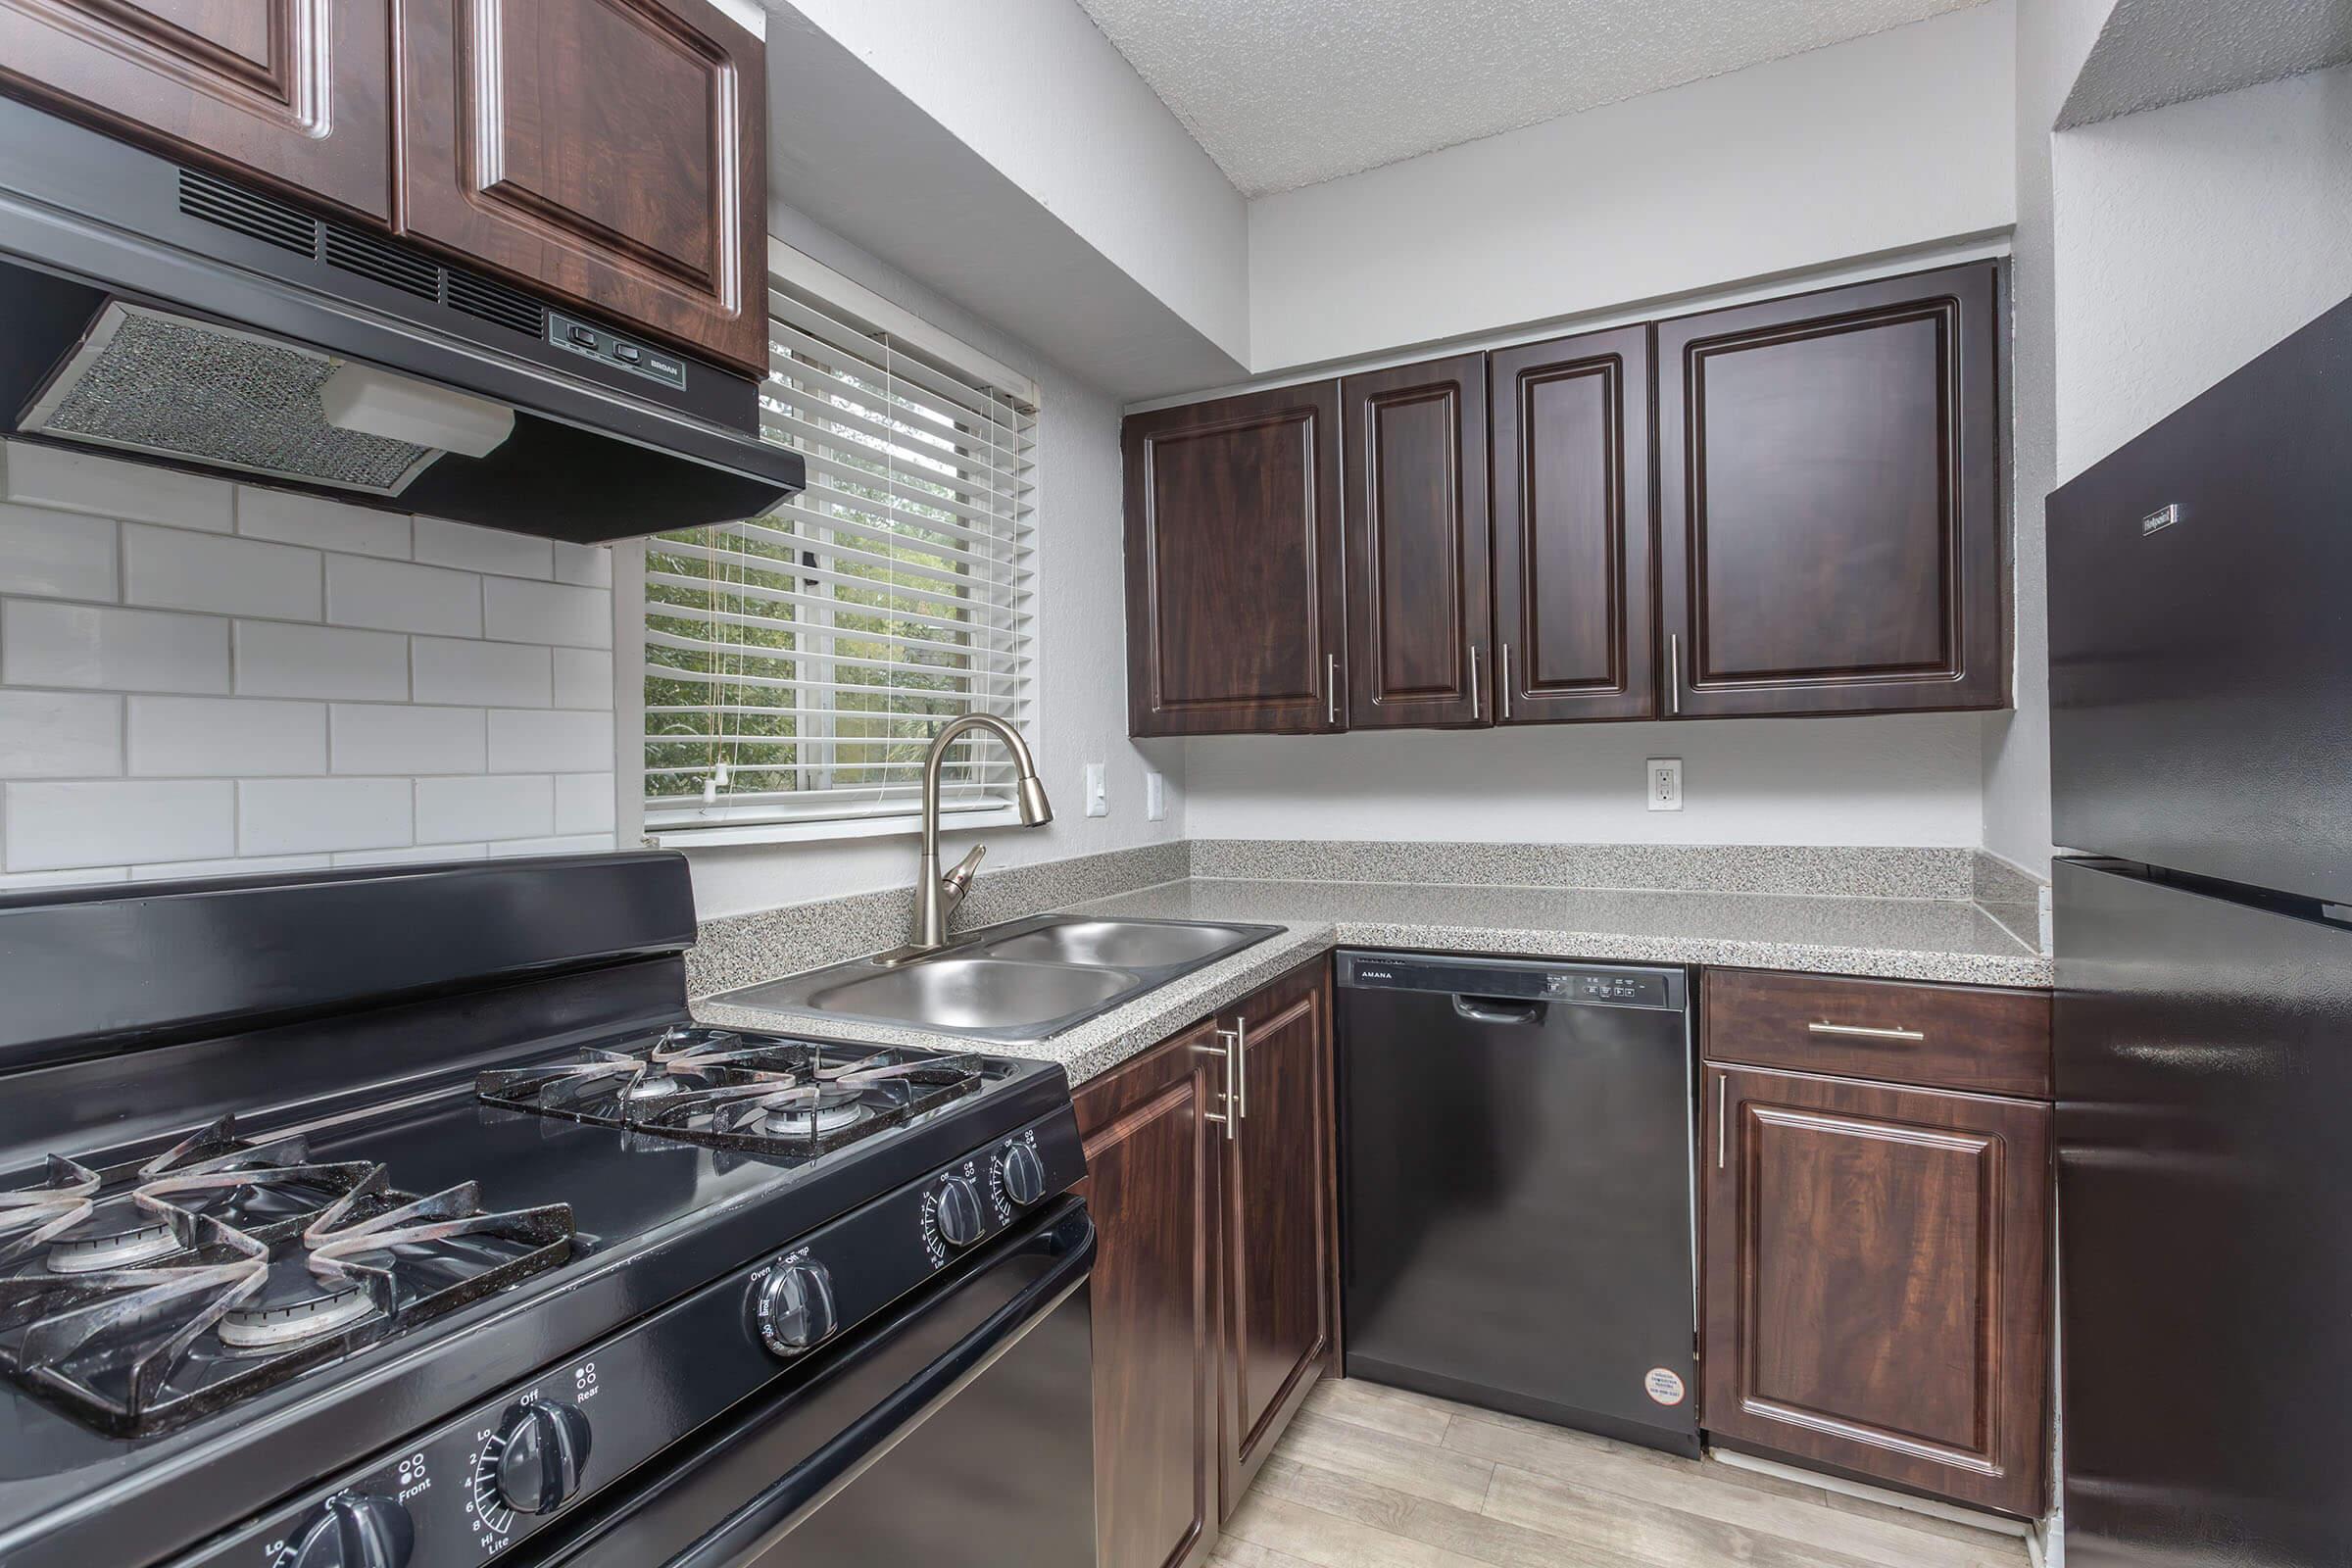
(370, 1219)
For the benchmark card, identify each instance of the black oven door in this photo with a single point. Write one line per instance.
(955, 1433)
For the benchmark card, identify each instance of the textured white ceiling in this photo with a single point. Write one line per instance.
(1284, 94)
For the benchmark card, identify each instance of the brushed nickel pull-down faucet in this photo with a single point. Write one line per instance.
(935, 897)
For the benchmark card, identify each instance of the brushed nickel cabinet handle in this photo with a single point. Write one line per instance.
(1331, 685)
(1477, 698)
(1239, 1055)
(1674, 672)
(1506, 680)
(1228, 1116)
(1722, 1111)
(1858, 1031)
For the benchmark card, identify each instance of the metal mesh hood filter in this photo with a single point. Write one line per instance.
(143, 382)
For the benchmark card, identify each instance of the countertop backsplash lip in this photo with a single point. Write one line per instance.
(1951, 938)
(1898, 872)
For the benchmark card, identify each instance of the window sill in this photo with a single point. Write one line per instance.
(840, 830)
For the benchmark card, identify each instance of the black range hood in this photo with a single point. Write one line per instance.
(162, 314)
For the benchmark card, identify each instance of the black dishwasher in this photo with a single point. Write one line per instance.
(1515, 1143)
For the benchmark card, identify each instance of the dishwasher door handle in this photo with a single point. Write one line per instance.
(1499, 1009)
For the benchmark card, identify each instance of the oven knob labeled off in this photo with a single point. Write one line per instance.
(1024, 1174)
(542, 1449)
(352, 1530)
(796, 1308)
(959, 1218)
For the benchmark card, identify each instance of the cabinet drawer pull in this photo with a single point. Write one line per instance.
(1723, 1111)
(1863, 1031)
(1236, 1044)
(1674, 672)
(1331, 686)
(1231, 1114)
(1477, 697)
(1506, 682)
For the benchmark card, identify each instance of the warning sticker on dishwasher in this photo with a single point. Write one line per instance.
(1662, 1386)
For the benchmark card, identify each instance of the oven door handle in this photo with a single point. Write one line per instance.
(1063, 1232)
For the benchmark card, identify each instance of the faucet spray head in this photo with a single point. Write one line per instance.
(1036, 809)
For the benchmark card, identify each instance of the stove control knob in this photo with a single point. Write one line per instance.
(960, 1211)
(353, 1530)
(1024, 1174)
(542, 1449)
(796, 1306)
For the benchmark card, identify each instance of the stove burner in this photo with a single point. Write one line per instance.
(276, 1318)
(141, 1296)
(779, 1098)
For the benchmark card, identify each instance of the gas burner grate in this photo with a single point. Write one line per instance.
(141, 1296)
(775, 1097)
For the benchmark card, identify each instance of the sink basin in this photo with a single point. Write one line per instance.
(1122, 944)
(1027, 980)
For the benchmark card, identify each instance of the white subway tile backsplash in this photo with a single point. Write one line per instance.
(294, 817)
(298, 520)
(394, 596)
(59, 735)
(494, 674)
(470, 548)
(225, 737)
(397, 738)
(57, 553)
(556, 740)
(54, 826)
(584, 802)
(451, 810)
(583, 678)
(274, 660)
(304, 682)
(579, 844)
(420, 852)
(76, 482)
(588, 565)
(244, 865)
(112, 649)
(175, 570)
(519, 611)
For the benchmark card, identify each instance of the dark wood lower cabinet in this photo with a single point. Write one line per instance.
(1209, 1165)
(1876, 1283)
(1151, 1158)
(1277, 1234)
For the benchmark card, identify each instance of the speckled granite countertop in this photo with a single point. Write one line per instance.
(1903, 939)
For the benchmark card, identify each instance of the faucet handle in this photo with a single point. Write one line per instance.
(958, 880)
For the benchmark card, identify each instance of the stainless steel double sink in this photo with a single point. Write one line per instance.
(1025, 980)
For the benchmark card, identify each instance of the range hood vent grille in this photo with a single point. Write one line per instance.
(257, 216)
(384, 260)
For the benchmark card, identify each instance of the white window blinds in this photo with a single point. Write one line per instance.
(797, 665)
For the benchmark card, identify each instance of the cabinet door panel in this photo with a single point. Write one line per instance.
(1234, 613)
(294, 94)
(1572, 528)
(1279, 1262)
(1151, 1168)
(1830, 500)
(607, 150)
(1877, 1279)
(1418, 618)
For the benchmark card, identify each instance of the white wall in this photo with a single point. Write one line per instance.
(2188, 240)
(1081, 693)
(1892, 141)
(1905, 779)
(1036, 90)
(198, 678)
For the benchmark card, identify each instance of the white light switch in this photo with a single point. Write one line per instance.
(1156, 796)
(1665, 787)
(1098, 795)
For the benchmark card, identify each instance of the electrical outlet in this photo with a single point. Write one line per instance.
(1665, 787)
(1156, 796)
(1098, 794)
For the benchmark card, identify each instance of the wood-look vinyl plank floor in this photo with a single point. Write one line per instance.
(1373, 1477)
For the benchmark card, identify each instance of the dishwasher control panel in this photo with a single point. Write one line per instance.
(1606, 985)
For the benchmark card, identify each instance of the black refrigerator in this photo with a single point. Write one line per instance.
(2201, 765)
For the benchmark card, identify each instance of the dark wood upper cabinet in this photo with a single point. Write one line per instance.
(1279, 1259)
(1573, 592)
(611, 151)
(1152, 1156)
(1234, 587)
(1419, 616)
(1875, 1294)
(293, 93)
(1830, 500)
